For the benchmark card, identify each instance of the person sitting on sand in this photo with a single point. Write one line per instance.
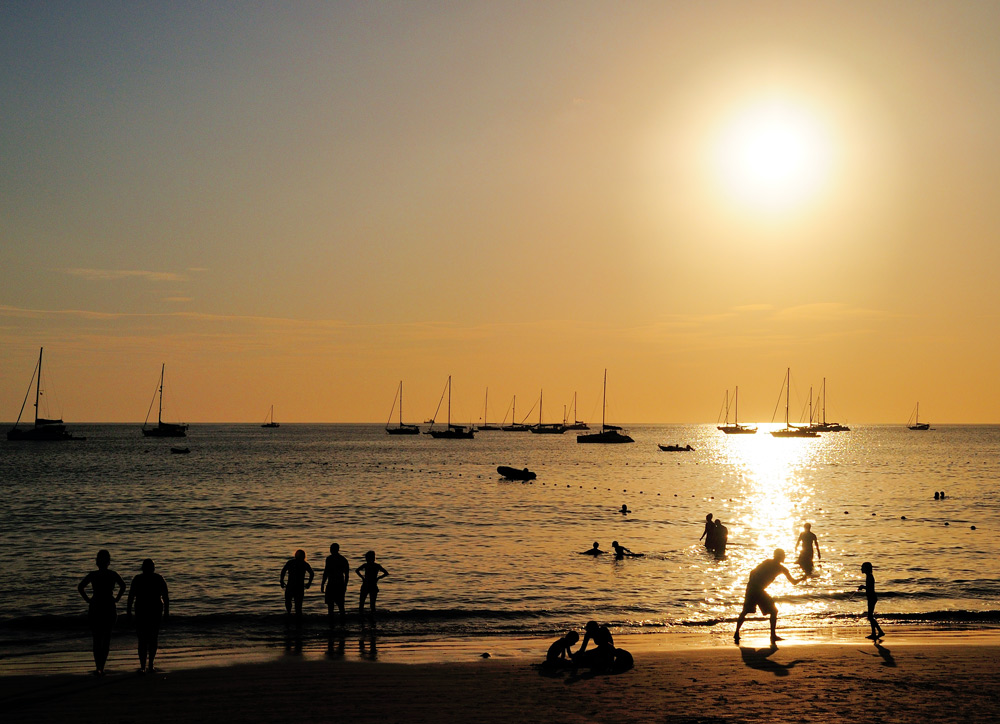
(869, 588)
(102, 613)
(336, 575)
(720, 537)
(602, 656)
(560, 652)
(296, 569)
(756, 597)
(807, 542)
(370, 573)
(148, 592)
(708, 532)
(595, 551)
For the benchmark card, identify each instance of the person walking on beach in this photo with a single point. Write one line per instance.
(102, 612)
(869, 588)
(807, 542)
(296, 569)
(756, 597)
(370, 573)
(148, 591)
(336, 574)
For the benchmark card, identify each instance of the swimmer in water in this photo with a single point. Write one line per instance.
(621, 551)
(595, 551)
(625, 510)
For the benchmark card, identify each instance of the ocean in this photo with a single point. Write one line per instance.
(471, 555)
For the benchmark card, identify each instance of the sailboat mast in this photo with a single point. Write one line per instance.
(736, 404)
(824, 400)
(788, 383)
(38, 383)
(400, 403)
(159, 413)
(604, 400)
(449, 401)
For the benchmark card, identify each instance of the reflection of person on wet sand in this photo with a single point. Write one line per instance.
(336, 574)
(370, 573)
(148, 592)
(807, 542)
(560, 652)
(869, 588)
(595, 551)
(756, 597)
(758, 659)
(102, 612)
(295, 590)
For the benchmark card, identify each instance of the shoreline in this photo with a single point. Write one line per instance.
(911, 676)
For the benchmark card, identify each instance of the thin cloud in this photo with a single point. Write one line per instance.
(116, 274)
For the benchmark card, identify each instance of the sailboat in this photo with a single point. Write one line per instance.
(823, 425)
(401, 428)
(514, 426)
(546, 428)
(451, 432)
(269, 420)
(162, 429)
(609, 434)
(486, 427)
(735, 428)
(790, 430)
(914, 422)
(44, 429)
(576, 424)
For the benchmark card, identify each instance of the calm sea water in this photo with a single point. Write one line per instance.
(469, 554)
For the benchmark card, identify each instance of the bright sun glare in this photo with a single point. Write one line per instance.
(773, 156)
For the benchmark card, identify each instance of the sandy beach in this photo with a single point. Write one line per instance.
(941, 678)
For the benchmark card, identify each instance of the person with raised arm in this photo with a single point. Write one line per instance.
(756, 596)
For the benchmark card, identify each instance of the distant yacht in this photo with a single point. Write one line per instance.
(401, 428)
(269, 420)
(546, 428)
(576, 424)
(162, 429)
(451, 432)
(514, 426)
(486, 427)
(914, 422)
(823, 425)
(609, 434)
(735, 428)
(44, 429)
(790, 430)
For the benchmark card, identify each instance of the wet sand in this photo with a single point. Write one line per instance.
(949, 678)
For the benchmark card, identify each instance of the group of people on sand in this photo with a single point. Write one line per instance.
(603, 657)
(147, 594)
(333, 585)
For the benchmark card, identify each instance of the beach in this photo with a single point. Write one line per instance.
(911, 676)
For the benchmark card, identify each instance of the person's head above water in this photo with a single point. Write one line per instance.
(335, 547)
(866, 567)
(596, 545)
(300, 555)
(148, 566)
(370, 556)
(779, 555)
(103, 559)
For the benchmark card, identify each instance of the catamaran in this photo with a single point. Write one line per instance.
(45, 429)
(162, 429)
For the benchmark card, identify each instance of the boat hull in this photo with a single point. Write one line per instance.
(42, 433)
(738, 429)
(403, 430)
(452, 434)
(165, 429)
(510, 473)
(608, 437)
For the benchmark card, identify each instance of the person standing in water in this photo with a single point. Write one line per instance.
(148, 592)
(595, 551)
(296, 569)
(807, 542)
(869, 588)
(720, 538)
(336, 574)
(756, 596)
(102, 612)
(370, 573)
(709, 532)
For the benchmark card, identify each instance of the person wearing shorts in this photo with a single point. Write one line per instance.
(757, 597)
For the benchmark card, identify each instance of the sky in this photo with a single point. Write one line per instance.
(303, 204)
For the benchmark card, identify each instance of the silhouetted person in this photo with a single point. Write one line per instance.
(937, 495)
(807, 542)
(102, 612)
(720, 538)
(756, 597)
(148, 592)
(560, 652)
(295, 590)
(625, 510)
(708, 532)
(371, 573)
(336, 574)
(621, 551)
(602, 656)
(595, 551)
(869, 588)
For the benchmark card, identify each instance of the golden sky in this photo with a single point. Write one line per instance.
(302, 204)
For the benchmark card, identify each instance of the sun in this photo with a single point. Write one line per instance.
(772, 156)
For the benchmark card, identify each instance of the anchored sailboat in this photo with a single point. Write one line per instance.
(486, 427)
(451, 432)
(162, 429)
(402, 428)
(609, 434)
(735, 428)
(823, 425)
(44, 429)
(576, 424)
(546, 428)
(790, 430)
(269, 420)
(914, 422)
(514, 425)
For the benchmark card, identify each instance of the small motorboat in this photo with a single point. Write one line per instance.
(509, 473)
(675, 448)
